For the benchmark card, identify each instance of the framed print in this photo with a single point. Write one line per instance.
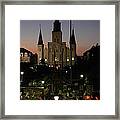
(60, 60)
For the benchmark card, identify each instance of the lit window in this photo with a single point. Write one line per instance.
(58, 65)
(26, 54)
(56, 59)
(51, 65)
(21, 54)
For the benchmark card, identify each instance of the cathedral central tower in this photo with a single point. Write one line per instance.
(57, 48)
(56, 33)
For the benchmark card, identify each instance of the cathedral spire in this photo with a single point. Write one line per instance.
(70, 27)
(40, 41)
(72, 47)
(57, 26)
(72, 37)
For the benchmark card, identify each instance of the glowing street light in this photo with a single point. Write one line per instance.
(56, 97)
(43, 82)
(81, 76)
(21, 73)
(21, 79)
(43, 87)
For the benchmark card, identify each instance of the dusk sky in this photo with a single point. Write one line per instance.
(87, 33)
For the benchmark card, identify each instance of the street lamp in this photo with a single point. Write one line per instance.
(21, 80)
(43, 89)
(21, 73)
(43, 82)
(81, 76)
(56, 97)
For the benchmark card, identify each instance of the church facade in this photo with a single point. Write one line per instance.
(57, 54)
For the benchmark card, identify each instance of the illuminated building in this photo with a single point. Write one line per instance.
(27, 56)
(57, 54)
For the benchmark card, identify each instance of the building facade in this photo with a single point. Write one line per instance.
(27, 56)
(57, 54)
(57, 48)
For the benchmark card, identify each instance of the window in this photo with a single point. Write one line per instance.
(21, 54)
(26, 54)
(40, 49)
(56, 59)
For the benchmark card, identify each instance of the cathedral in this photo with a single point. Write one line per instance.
(57, 54)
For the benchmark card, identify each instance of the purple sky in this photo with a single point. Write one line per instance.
(87, 33)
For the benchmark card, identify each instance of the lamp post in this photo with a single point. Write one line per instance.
(43, 82)
(21, 74)
(82, 86)
(71, 73)
(43, 89)
(85, 83)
